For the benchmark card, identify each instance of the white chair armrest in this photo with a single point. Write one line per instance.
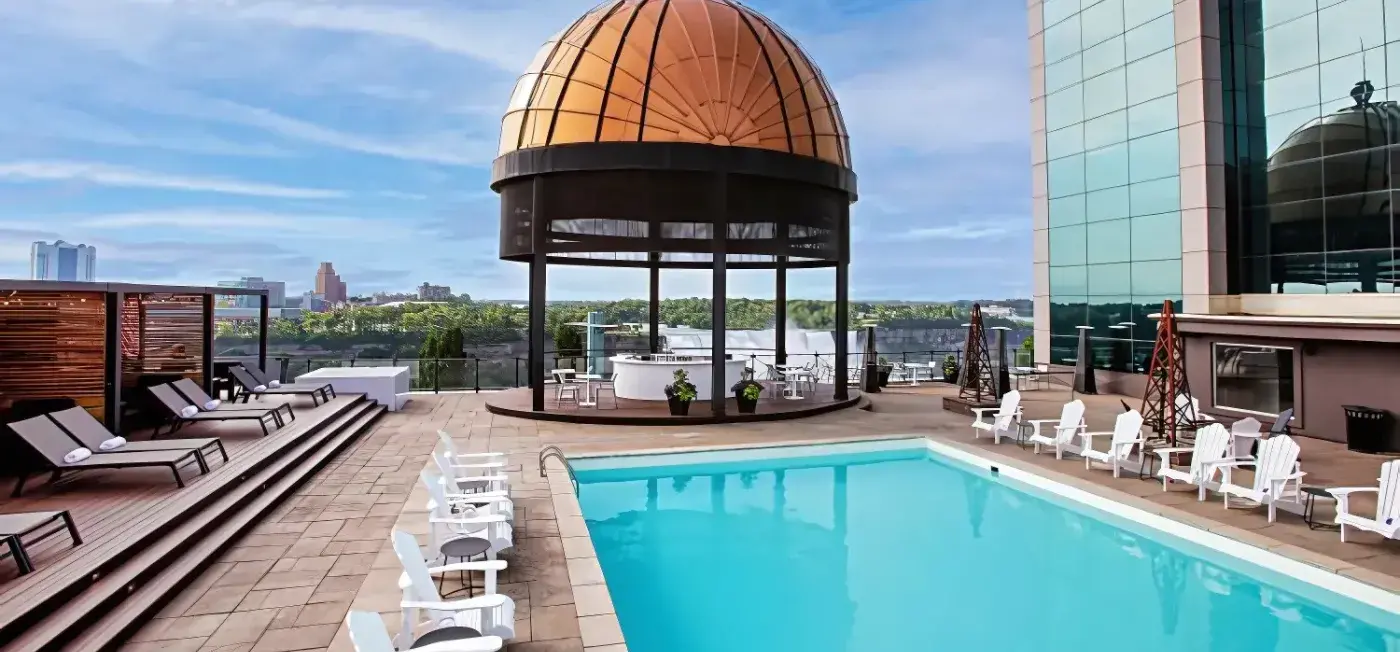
(1094, 434)
(1130, 442)
(477, 456)
(1232, 463)
(480, 496)
(492, 565)
(477, 644)
(1043, 421)
(1164, 452)
(982, 411)
(483, 465)
(475, 520)
(1338, 492)
(483, 478)
(479, 602)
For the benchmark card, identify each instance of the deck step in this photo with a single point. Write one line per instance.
(114, 606)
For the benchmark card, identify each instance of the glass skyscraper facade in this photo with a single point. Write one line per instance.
(1310, 90)
(1207, 150)
(1114, 235)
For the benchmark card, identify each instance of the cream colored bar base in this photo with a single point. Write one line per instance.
(645, 380)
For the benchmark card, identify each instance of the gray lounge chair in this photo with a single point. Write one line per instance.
(192, 392)
(51, 443)
(174, 403)
(19, 530)
(250, 387)
(327, 389)
(90, 434)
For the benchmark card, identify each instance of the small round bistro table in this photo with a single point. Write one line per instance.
(444, 634)
(463, 549)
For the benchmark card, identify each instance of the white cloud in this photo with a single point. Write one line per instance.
(964, 231)
(220, 219)
(121, 177)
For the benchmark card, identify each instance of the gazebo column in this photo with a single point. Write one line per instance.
(843, 282)
(206, 358)
(780, 312)
(654, 302)
(262, 336)
(112, 410)
(538, 264)
(719, 261)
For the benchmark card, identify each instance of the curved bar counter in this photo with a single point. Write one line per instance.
(645, 380)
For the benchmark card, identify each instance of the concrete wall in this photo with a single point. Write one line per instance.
(1328, 375)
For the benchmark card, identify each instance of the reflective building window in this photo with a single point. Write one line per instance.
(1312, 142)
(1255, 379)
(1114, 214)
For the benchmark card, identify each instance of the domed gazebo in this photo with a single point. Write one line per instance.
(675, 134)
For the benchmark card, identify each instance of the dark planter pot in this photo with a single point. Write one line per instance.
(746, 405)
(678, 407)
(884, 376)
(951, 378)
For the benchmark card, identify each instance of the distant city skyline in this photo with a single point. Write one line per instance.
(364, 132)
(62, 261)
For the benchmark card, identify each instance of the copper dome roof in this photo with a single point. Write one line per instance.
(698, 71)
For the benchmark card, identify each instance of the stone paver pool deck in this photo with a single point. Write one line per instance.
(287, 586)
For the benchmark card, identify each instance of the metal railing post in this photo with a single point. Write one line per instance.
(437, 373)
(477, 381)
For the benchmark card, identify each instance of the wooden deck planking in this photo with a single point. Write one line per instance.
(113, 508)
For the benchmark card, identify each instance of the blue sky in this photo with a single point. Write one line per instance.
(199, 140)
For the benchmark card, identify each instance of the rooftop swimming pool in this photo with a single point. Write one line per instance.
(894, 547)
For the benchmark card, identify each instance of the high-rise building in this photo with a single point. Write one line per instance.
(428, 292)
(276, 292)
(329, 285)
(62, 261)
(1237, 157)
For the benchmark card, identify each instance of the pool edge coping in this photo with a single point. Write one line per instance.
(598, 626)
(1322, 571)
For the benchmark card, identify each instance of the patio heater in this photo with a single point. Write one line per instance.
(1122, 359)
(1084, 365)
(1003, 371)
(870, 379)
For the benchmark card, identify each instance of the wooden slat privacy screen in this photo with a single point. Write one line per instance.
(162, 334)
(52, 346)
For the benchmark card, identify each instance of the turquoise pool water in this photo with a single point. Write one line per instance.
(901, 550)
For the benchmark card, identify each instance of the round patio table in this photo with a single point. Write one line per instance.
(464, 549)
(444, 634)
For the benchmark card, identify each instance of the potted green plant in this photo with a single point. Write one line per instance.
(883, 371)
(746, 394)
(950, 368)
(680, 393)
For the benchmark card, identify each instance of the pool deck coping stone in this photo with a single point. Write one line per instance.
(1339, 567)
(597, 620)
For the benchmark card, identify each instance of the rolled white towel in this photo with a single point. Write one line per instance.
(260, 388)
(189, 411)
(213, 404)
(112, 444)
(77, 455)
(274, 383)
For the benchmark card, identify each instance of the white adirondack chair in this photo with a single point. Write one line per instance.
(1211, 447)
(481, 522)
(1387, 520)
(1070, 423)
(491, 614)
(482, 470)
(1127, 435)
(458, 493)
(1002, 417)
(1277, 475)
(368, 634)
